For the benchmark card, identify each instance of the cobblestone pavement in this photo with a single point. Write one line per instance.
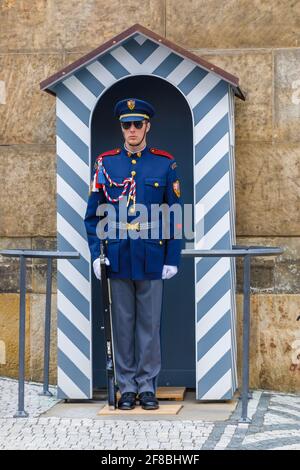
(275, 425)
(35, 405)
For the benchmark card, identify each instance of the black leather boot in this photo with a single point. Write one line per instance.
(148, 401)
(127, 401)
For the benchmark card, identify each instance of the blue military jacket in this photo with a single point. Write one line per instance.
(156, 183)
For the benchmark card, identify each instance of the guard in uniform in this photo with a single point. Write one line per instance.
(137, 266)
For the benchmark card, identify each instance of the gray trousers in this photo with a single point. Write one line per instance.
(136, 321)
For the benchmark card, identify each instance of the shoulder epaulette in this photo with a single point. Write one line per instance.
(110, 152)
(163, 153)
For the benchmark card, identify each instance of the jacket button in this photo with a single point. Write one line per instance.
(160, 242)
(133, 161)
(133, 173)
(106, 241)
(156, 184)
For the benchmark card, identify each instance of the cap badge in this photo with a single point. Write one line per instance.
(131, 104)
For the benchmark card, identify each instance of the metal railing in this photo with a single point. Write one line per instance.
(237, 251)
(49, 255)
(246, 252)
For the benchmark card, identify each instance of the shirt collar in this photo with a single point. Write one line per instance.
(141, 152)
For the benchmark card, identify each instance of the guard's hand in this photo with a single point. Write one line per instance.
(96, 267)
(169, 271)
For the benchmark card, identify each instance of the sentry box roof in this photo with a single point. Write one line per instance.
(151, 41)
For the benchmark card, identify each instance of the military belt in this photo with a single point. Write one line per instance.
(134, 226)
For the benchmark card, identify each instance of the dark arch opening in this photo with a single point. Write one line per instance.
(171, 130)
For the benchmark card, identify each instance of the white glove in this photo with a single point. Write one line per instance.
(169, 271)
(96, 266)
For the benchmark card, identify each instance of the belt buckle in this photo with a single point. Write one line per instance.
(135, 226)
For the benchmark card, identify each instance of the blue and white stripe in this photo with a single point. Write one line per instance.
(210, 99)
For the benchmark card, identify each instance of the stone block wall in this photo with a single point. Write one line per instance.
(259, 42)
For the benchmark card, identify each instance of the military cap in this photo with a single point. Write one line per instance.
(133, 109)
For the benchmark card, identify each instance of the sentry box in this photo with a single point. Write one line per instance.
(194, 102)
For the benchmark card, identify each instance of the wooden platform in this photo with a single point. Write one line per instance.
(162, 393)
(168, 393)
(138, 410)
(171, 393)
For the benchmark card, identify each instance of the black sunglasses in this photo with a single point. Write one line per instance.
(137, 124)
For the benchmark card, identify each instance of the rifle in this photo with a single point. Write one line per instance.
(108, 333)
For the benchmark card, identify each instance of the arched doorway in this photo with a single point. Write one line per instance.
(172, 130)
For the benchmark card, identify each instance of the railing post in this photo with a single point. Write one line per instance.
(246, 339)
(47, 330)
(21, 413)
(49, 255)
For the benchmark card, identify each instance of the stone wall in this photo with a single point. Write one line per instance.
(257, 41)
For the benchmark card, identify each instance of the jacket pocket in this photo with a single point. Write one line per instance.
(113, 253)
(154, 190)
(154, 255)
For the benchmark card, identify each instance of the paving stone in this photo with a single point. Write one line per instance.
(275, 423)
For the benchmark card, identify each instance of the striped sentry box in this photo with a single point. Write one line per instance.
(211, 100)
